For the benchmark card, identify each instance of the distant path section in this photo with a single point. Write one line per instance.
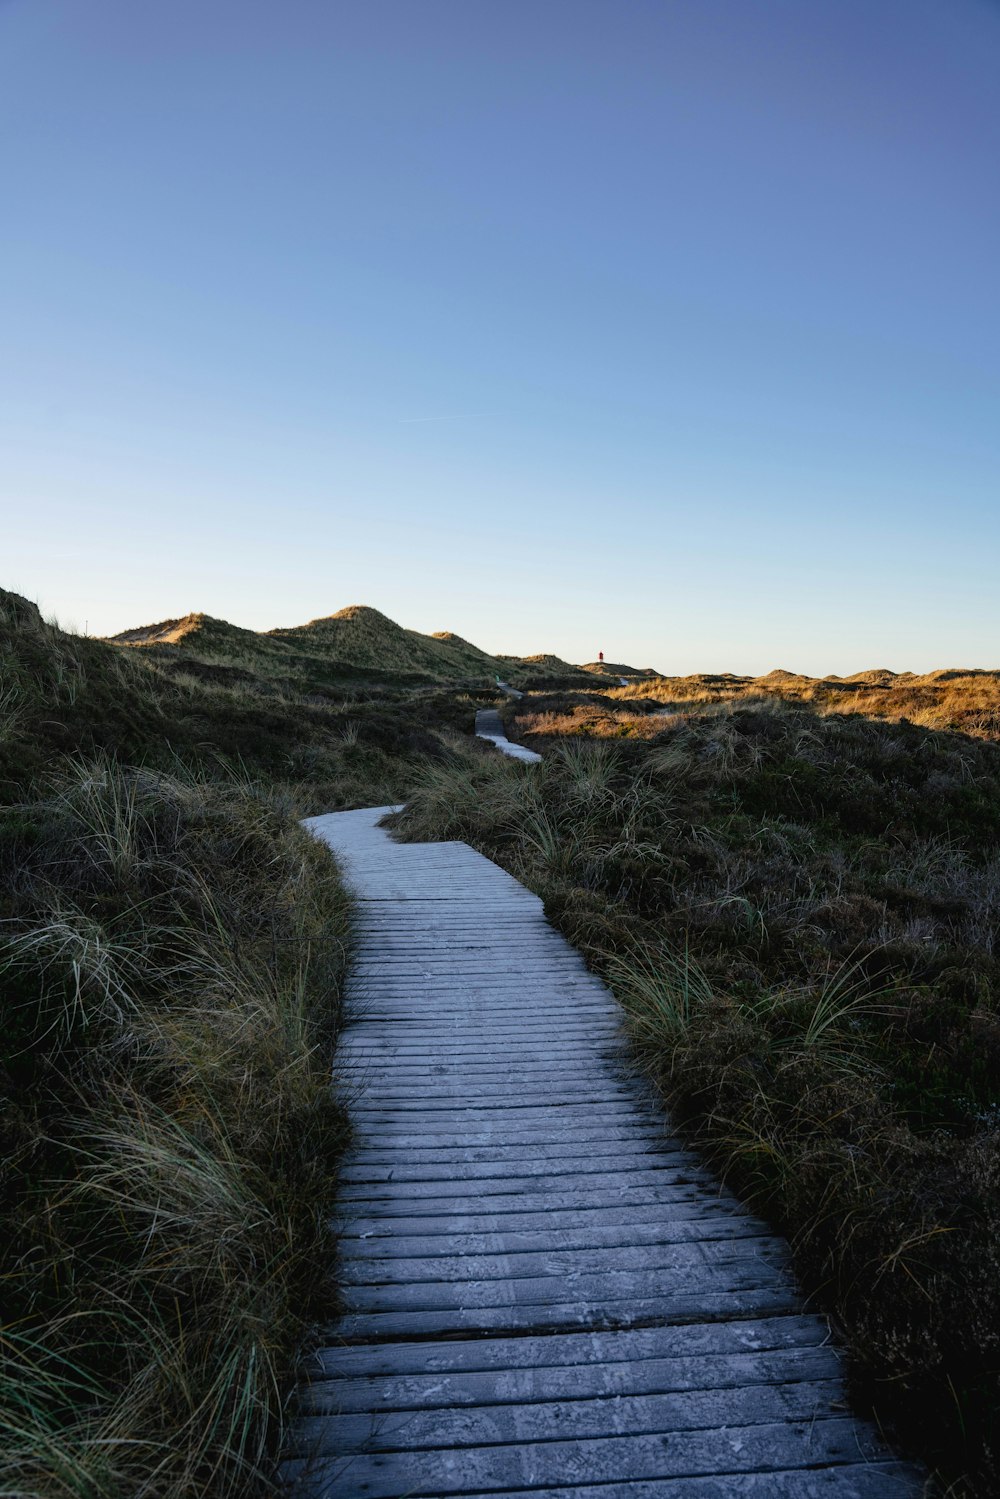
(489, 725)
(546, 1296)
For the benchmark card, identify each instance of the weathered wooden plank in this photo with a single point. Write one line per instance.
(485, 952)
(442, 1096)
(459, 1153)
(461, 950)
(358, 1042)
(511, 1130)
(514, 985)
(379, 1254)
(861, 1480)
(515, 1164)
(480, 1045)
(410, 1007)
(501, 1031)
(752, 1273)
(525, 982)
(404, 959)
(684, 1305)
(414, 1430)
(536, 1081)
(465, 898)
(691, 1208)
(525, 1385)
(583, 1074)
(425, 927)
(423, 1002)
(780, 1445)
(458, 958)
(429, 1005)
(518, 1199)
(413, 1012)
(432, 1120)
(373, 1137)
(577, 1349)
(361, 1044)
(387, 1124)
(511, 1110)
(485, 1000)
(684, 1256)
(502, 1039)
(378, 1080)
(544, 1184)
(490, 1028)
(465, 1087)
(526, 908)
(569, 1070)
(424, 989)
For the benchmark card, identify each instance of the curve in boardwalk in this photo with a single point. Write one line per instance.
(546, 1294)
(489, 725)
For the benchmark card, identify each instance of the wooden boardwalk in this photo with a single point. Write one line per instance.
(489, 725)
(546, 1293)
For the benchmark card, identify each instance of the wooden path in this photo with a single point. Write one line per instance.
(489, 725)
(546, 1294)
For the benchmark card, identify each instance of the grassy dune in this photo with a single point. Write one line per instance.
(799, 913)
(356, 644)
(368, 639)
(793, 885)
(618, 669)
(171, 948)
(355, 744)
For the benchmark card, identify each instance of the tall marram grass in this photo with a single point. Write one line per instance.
(171, 951)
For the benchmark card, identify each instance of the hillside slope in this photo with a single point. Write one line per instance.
(618, 669)
(214, 696)
(363, 637)
(355, 643)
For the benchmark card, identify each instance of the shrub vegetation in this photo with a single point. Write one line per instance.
(799, 913)
(965, 700)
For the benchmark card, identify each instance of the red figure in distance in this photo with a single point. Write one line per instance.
(600, 655)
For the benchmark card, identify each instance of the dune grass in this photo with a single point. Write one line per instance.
(968, 701)
(171, 946)
(355, 643)
(323, 746)
(171, 952)
(799, 913)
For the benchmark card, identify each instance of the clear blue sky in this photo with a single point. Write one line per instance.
(670, 329)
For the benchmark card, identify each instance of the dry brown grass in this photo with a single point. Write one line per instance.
(968, 701)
